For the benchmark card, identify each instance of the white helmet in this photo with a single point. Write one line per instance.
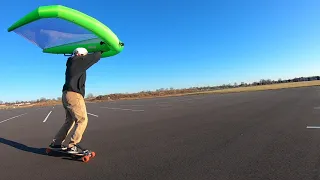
(81, 51)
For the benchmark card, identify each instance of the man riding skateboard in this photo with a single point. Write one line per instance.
(73, 94)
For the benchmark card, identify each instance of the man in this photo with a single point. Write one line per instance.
(73, 100)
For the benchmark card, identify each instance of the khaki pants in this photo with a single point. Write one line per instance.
(76, 115)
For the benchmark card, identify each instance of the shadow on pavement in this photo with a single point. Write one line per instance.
(22, 147)
(40, 151)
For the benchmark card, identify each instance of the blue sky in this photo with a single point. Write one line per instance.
(171, 43)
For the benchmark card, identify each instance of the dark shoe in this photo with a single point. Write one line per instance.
(57, 147)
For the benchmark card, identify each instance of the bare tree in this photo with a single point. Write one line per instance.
(90, 95)
(43, 99)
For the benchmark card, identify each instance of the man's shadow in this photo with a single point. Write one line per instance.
(22, 147)
(39, 151)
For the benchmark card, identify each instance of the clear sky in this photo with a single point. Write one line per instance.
(171, 43)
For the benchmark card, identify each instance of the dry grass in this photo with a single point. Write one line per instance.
(195, 92)
(168, 93)
(265, 87)
(40, 104)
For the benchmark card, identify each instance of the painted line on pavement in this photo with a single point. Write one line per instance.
(131, 105)
(313, 127)
(47, 116)
(93, 114)
(122, 109)
(13, 118)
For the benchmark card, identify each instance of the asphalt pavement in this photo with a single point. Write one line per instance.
(239, 136)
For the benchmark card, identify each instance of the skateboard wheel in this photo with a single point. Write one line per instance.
(93, 154)
(48, 150)
(85, 158)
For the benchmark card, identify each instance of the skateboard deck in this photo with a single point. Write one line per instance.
(85, 156)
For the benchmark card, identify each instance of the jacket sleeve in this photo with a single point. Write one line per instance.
(87, 61)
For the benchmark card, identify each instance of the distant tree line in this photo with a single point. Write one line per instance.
(171, 91)
(259, 83)
(162, 91)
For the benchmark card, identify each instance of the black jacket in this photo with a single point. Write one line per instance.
(76, 72)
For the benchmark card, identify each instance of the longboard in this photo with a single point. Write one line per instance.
(85, 156)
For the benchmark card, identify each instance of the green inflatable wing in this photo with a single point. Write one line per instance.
(58, 29)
